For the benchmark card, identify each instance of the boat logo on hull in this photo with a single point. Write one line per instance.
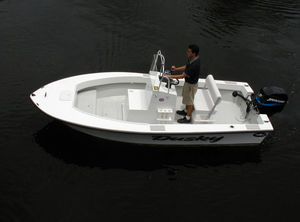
(210, 139)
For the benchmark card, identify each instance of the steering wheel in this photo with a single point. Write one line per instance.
(165, 79)
(174, 82)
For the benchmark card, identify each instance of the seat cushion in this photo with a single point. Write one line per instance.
(203, 101)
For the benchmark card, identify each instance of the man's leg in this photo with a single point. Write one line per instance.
(187, 118)
(188, 94)
(189, 110)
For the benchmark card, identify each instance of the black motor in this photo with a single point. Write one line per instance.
(270, 100)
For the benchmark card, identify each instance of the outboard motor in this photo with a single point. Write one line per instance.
(270, 100)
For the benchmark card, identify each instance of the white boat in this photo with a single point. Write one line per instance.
(141, 108)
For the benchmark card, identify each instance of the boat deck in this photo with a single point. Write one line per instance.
(111, 101)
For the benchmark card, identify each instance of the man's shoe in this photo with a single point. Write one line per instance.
(181, 112)
(184, 120)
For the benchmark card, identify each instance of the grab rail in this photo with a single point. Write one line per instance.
(162, 68)
(162, 62)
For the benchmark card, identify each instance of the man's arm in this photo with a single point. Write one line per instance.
(180, 76)
(181, 68)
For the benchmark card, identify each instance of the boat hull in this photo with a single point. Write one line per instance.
(131, 108)
(199, 139)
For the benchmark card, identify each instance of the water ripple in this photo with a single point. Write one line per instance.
(288, 9)
(226, 18)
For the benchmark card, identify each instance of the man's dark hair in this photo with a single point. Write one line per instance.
(194, 48)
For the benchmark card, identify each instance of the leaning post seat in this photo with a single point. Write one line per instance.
(206, 100)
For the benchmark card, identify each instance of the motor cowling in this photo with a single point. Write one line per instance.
(270, 100)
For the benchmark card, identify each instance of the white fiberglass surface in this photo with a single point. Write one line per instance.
(111, 101)
(231, 110)
(108, 100)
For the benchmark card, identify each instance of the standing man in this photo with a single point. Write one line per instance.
(191, 75)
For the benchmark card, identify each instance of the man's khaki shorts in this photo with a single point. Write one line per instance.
(188, 93)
